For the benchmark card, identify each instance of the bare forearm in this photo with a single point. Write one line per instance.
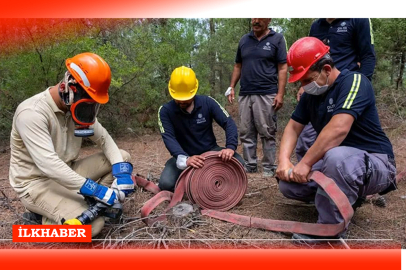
(235, 77)
(331, 136)
(289, 139)
(282, 78)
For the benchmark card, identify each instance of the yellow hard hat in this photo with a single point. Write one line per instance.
(183, 83)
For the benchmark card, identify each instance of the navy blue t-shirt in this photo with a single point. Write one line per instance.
(351, 93)
(350, 40)
(191, 134)
(259, 63)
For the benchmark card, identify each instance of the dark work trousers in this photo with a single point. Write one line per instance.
(305, 141)
(171, 173)
(356, 172)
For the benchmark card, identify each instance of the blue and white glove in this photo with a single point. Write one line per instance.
(99, 192)
(122, 179)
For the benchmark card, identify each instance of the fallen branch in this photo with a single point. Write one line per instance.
(259, 190)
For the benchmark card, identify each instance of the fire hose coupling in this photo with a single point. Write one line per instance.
(73, 221)
(95, 210)
(123, 183)
(290, 172)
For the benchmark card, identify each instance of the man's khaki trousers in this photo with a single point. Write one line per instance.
(56, 203)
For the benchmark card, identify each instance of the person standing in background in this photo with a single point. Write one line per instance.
(260, 63)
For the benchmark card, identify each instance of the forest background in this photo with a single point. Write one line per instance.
(143, 52)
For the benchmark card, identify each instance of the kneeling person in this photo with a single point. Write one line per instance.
(46, 137)
(351, 147)
(186, 125)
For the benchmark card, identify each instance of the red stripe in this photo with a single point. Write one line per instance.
(106, 8)
(202, 259)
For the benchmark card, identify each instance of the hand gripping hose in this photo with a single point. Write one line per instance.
(329, 186)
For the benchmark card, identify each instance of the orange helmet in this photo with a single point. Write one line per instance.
(92, 73)
(303, 54)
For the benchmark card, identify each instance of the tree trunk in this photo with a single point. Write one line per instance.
(399, 80)
(249, 25)
(392, 73)
(212, 58)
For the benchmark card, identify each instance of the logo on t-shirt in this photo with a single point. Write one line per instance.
(342, 27)
(200, 119)
(267, 46)
(330, 107)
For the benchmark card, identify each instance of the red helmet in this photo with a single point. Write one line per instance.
(303, 54)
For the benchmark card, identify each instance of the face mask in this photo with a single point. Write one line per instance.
(84, 113)
(82, 107)
(314, 89)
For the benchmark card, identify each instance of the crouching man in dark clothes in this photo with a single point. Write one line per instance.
(186, 125)
(351, 147)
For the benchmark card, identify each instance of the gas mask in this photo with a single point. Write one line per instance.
(314, 89)
(82, 107)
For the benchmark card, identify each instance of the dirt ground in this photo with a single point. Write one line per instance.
(371, 227)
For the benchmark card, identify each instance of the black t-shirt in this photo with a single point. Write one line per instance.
(259, 63)
(351, 93)
(350, 40)
(192, 133)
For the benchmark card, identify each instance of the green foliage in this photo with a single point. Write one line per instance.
(390, 47)
(293, 28)
(143, 52)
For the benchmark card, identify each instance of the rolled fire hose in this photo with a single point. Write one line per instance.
(219, 186)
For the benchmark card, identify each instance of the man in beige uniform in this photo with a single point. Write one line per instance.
(46, 137)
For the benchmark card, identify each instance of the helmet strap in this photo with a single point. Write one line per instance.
(65, 92)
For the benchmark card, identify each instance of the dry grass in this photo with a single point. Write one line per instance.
(371, 227)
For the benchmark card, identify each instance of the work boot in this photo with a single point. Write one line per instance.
(312, 240)
(377, 200)
(358, 203)
(30, 218)
(267, 173)
(250, 169)
(380, 201)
